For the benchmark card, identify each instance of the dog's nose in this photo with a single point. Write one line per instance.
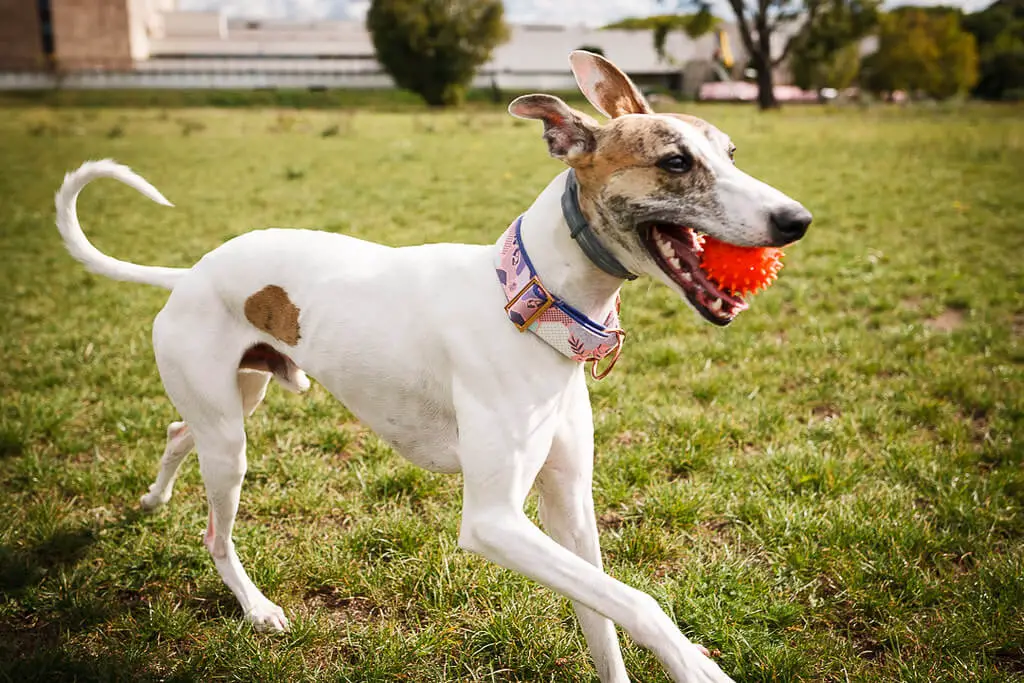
(790, 224)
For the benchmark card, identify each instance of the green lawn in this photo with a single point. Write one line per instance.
(830, 489)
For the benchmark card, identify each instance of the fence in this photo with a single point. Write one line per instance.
(240, 74)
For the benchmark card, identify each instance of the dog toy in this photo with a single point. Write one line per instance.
(740, 270)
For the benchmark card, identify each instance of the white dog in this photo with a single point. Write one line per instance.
(464, 358)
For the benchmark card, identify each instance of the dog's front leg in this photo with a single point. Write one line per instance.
(567, 511)
(502, 449)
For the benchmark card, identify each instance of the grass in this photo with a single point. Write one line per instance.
(389, 99)
(830, 489)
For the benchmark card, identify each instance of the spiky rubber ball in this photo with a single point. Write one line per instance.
(740, 270)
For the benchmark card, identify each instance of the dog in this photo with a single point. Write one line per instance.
(489, 383)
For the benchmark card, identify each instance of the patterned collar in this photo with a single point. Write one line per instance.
(531, 307)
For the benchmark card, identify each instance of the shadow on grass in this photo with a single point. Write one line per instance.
(39, 655)
(34, 637)
(11, 445)
(21, 568)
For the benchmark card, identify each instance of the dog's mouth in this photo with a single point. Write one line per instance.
(677, 250)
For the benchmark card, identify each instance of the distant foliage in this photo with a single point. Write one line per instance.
(434, 47)
(694, 25)
(592, 48)
(826, 52)
(681, 22)
(999, 32)
(836, 70)
(923, 51)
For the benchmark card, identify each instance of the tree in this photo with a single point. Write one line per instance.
(759, 21)
(434, 47)
(826, 50)
(923, 51)
(999, 32)
(693, 25)
(839, 70)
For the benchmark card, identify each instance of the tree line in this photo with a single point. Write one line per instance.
(435, 47)
(938, 52)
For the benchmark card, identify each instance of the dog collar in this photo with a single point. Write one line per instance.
(581, 231)
(532, 307)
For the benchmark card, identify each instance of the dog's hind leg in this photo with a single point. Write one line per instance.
(202, 378)
(223, 465)
(179, 443)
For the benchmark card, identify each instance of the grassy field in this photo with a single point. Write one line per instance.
(830, 489)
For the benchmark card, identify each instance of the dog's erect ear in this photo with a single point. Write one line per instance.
(569, 133)
(605, 86)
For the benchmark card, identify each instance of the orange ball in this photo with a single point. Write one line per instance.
(740, 270)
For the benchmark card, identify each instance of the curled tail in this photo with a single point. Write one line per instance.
(83, 250)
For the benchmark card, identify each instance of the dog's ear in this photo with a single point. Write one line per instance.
(605, 86)
(570, 134)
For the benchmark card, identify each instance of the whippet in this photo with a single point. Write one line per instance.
(489, 382)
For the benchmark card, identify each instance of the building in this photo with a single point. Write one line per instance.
(21, 36)
(74, 35)
(148, 44)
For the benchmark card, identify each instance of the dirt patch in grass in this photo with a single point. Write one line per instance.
(610, 520)
(826, 411)
(949, 320)
(629, 438)
(1010, 660)
(331, 603)
(980, 427)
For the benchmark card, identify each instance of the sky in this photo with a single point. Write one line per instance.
(593, 12)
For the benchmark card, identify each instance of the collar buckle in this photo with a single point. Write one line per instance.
(547, 303)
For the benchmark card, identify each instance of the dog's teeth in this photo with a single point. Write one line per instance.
(716, 305)
(665, 248)
(674, 261)
(686, 277)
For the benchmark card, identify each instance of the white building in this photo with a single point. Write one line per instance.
(266, 53)
(157, 46)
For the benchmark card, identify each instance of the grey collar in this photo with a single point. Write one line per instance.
(580, 231)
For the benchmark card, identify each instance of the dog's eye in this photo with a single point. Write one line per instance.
(732, 154)
(676, 163)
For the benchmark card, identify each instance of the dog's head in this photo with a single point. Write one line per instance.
(651, 184)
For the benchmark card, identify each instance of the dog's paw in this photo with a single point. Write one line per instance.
(152, 502)
(703, 670)
(267, 617)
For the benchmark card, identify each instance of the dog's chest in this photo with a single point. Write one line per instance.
(414, 415)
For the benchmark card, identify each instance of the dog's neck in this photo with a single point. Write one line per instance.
(561, 265)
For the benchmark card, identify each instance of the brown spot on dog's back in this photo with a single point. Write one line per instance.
(271, 311)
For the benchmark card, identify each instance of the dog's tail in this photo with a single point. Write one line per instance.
(83, 250)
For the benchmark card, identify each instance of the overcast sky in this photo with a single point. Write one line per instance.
(594, 12)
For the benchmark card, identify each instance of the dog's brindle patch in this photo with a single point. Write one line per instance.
(272, 311)
(621, 184)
